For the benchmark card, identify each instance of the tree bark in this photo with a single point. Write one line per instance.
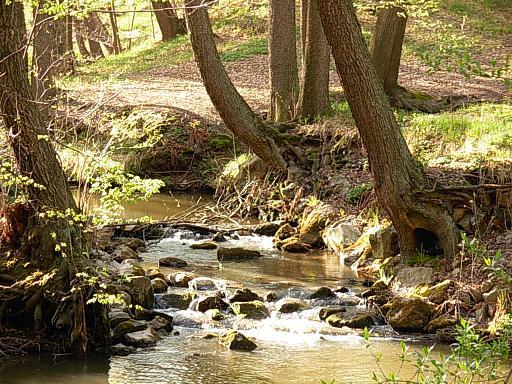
(232, 108)
(93, 29)
(314, 94)
(115, 30)
(284, 78)
(36, 159)
(399, 182)
(168, 21)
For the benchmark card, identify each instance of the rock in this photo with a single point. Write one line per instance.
(153, 273)
(204, 245)
(149, 314)
(159, 285)
(160, 324)
(179, 300)
(409, 314)
(181, 279)
(116, 317)
(482, 313)
(438, 293)
(326, 312)
(225, 255)
(409, 278)
(219, 238)
(384, 242)
(141, 339)
(172, 262)
(313, 224)
(266, 229)
(131, 267)
(335, 320)
(289, 305)
(141, 291)
(342, 289)
(215, 314)
(236, 341)
(440, 322)
(492, 295)
(293, 245)
(323, 293)
(270, 297)
(211, 302)
(251, 309)
(340, 235)
(360, 321)
(203, 284)
(121, 350)
(242, 295)
(124, 252)
(284, 232)
(132, 242)
(128, 326)
(339, 185)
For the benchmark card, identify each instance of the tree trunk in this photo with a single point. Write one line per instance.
(284, 78)
(95, 49)
(115, 30)
(168, 21)
(93, 29)
(232, 108)
(79, 36)
(49, 193)
(399, 182)
(314, 95)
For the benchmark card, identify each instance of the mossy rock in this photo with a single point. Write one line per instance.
(204, 245)
(225, 255)
(441, 322)
(326, 312)
(237, 341)
(220, 142)
(251, 309)
(438, 293)
(215, 314)
(290, 305)
(409, 314)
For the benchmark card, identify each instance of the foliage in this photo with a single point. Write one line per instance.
(251, 47)
(356, 193)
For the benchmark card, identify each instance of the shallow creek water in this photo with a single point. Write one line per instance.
(292, 348)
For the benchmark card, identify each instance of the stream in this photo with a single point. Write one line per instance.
(292, 347)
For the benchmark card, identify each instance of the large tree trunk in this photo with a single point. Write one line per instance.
(314, 95)
(93, 29)
(115, 30)
(168, 21)
(284, 78)
(232, 108)
(399, 182)
(49, 194)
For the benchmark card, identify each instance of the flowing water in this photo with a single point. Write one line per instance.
(292, 348)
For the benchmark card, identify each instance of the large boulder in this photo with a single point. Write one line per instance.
(141, 291)
(141, 339)
(159, 285)
(384, 242)
(181, 279)
(323, 293)
(236, 341)
(409, 314)
(251, 309)
(124, 252)
(284, 232)
(204, 245)
(407, 279)
(360, 320)
(128, 326)
(290, 305)
(211, 302)
(324, 313)
(441, 322)
(293, 245)
(266, 229)
(438, 293)
(215, 314)
(117, 316)
(160, 325)
(153, 273)
(172, 262)
(179, 300)
(203, 284)
(225, 255)
(340, 235)
(312, 225)
(242, 295)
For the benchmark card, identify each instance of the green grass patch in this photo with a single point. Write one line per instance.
(251, 47)
(478, 131)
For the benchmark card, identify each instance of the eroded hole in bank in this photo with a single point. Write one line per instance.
(427, 243)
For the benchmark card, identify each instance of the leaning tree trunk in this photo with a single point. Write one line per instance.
(399, 183)
(51, 202)
(314, 94)
(96, 32)
(232, 108)
(284, 78)
(168, 21)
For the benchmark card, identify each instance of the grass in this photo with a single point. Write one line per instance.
(251, 47)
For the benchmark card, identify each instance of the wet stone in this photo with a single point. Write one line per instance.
(179, 300)
(326, 312)
(225, 255)
(211, 302)
(323, 293)
(181, 279)
(290, 305)
(141, 339)
(236, 341)
(242, 295)
(121, 350)
(172, 262)
(117, 317)
(159, 285)
(128, 326)
(204, 245)
(251, 309)
(203, 284)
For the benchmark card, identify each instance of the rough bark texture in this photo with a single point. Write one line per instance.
(233, 109)
(36, 158)
(168, 21)
(314, 95)
(398, 181)
(115, 30)
(284, 77)
(386, 46)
